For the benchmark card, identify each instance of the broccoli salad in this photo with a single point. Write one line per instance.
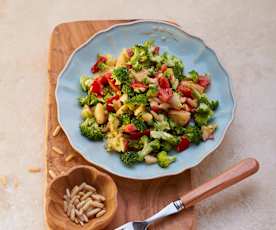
(144, 105)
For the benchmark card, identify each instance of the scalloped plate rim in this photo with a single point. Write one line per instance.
(164, 175)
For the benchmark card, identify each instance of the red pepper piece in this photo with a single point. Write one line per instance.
(204, 81)
(164, 82)
(183, 144)
(185, 91)
(130, 128)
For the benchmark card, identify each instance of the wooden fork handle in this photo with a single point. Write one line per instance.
(231, 176)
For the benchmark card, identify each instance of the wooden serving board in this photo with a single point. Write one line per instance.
(136, 199)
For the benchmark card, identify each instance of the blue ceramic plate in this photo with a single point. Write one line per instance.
(195, 55)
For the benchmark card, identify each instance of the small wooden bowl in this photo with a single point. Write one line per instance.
(56, 217)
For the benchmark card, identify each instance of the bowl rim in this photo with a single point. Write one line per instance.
(94, 170)
(189, 35)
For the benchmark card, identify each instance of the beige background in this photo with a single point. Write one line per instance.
(243, 34)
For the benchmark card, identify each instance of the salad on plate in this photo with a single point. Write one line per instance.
(144, 105)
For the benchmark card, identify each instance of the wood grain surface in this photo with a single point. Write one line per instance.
(137, 199)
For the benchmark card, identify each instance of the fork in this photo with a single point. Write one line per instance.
(231, 176)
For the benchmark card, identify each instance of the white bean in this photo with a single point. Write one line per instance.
(99, 114)
(150, 159)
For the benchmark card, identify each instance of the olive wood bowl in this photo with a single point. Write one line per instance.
(57, 218)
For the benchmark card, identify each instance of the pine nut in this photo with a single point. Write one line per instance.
(89, 188)
(74, 198)
(52, 174)
(72, 214)
(4, 181)
(69, 209)
(57, 150)
(81, 217)
(56, 131)
(81, 194)
(34, 169)
(74, 191)
(65, 206)
(101, 213)
(68, 193)
(97, 204)
(86, 206)
(81, 204)
(85, 218)
(88, 194)
(70, 157)
(98, 197)
(76, 202)
(93, 212)
(82, 186)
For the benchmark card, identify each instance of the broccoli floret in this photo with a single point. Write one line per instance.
(193, 75)
(162, 125)
(142, 55)
(165, 136)
(148, 147)
(90, 129)
(129, 158)
(102, 66)
(86, 112)
(120, 74)
(166, 146)
(178, 70)
(85, 82)
(137, 145)
(126, 89)
(152, 91)
(115, 142)
(202, 98)
(137, 66)
(176, 129)
(164, 160)
(203, 114)
(88, 100)
(193, 133)
(138, 100)
(151, 71)
(125, 119)
(139, 124)
(205, 109)
(212, 103)
(175, 63)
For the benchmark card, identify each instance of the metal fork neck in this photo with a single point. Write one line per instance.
(172, 208)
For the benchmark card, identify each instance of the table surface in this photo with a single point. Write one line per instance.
(243, 34)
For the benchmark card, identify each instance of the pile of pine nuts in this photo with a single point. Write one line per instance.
(83, 203)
